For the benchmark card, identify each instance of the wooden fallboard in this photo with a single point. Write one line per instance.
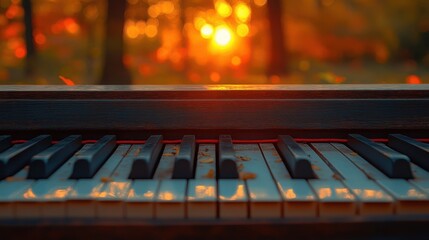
(215, 107)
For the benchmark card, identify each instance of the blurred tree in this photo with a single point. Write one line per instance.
(114, 70)
(277, 60)
(29, 38)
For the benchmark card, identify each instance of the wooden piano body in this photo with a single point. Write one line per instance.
(244, 112)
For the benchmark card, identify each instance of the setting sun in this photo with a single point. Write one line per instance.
(223, 36)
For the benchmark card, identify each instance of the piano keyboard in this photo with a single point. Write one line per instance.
(217, 179)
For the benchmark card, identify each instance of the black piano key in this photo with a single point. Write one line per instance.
(16, 157)
(184, 161)
(5, 142)
(390, 162)
(296, 159)
(144, 164)
(91, 160)
(43, 164)
(227, 166)
(417, 151)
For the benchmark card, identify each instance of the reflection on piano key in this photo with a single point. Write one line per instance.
(91, 160)
(297, 160)
(390, 162)
(10, 192)
(263, 194)
(43, 164)
(409, 200)
(201, 199)
(5, 142)
(80, 200)
(299, 199)
(171, 199)
(232, 199)
(417, 151)
(110, 200)
(184, 162)
(372, 199)
(140, 200)
(334, 198)
(44, 199)
(144, 162)
(15, 158)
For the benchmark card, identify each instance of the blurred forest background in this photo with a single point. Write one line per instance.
(213, 41)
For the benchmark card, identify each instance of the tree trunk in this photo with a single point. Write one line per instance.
(277, 60)
(114, 71)
(29, 38)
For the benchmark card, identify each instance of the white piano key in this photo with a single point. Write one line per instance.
(409, 199)
(373, 200)
(335, 199)
(422, 184)
(166, 163)
(319, 166)
(110, 200)
(81, 199)
(171, 199)
(265, 200)
(45, 198)
(206, 162)
(139, 203)
(232, 198)
(107, 169)
(274, 161)
(201, 199)
(418, 172)
(338, 161)
(362, 164)
(123, 169)
(299, 199)
(10, 191)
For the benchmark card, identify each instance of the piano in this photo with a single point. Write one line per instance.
(248, 161)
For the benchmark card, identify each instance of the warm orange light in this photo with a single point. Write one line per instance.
(414, 79)
(167, 7)
(260, 3)
(207, 31)
(71, 26)
(236, 61)
(151, 30)
(167, 196)
(223, 8)
(199, 22)
(242, 12)
(40, 39)
(242, 30)
(20, 52)
(222, 36)
(67, 81)
(215, 77)
(154, 11)
(132, 30)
